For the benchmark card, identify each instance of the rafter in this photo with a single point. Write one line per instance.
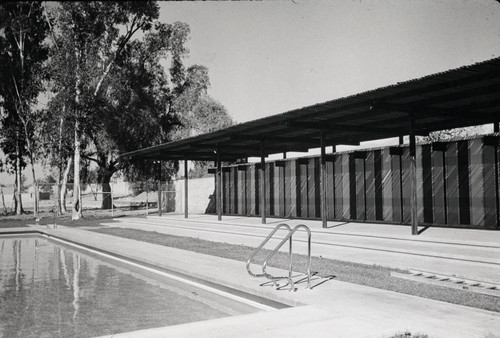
(430, 111)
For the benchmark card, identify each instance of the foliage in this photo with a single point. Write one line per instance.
(47, 184)
(108, 90)
(22, 75)
(197, 112)
(90, 37)
(143, 186)
(450, 134)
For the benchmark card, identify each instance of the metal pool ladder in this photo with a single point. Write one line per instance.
(289, 238)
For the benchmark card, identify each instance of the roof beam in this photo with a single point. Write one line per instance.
(454, 82)
(273, 139)
(456, 114)
(482, 76)
(224, 147)
(460, 94)
(174, 155)
(370, 130)
(329, 126)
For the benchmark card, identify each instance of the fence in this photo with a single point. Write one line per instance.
(457, 185)
(124, 198)
(7, 203)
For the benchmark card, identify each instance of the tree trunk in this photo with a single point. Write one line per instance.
(77, 203)
(35, 191)
(29, 148)
(19, 206)
(64, 185)
(59, 167)
(5, 211)
(106, 190)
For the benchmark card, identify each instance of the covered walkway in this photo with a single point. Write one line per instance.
(455, 98)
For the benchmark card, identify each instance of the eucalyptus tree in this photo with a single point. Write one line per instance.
(198, 113)
(135, 103)
(91, 37)
(123, 93)
(22, 55)
(57, 153)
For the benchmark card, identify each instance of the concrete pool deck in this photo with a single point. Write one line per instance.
(332, 309)
(473, 254)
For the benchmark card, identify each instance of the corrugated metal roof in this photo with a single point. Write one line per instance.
(455, 98)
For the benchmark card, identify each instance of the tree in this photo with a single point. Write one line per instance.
(133, 109)
(22, 56)
(92, 44)
(56, 137)
(197, 111)
(134, 106)
(13, 147)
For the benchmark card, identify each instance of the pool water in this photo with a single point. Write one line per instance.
(53, 290)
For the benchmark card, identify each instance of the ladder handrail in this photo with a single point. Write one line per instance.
(289, 237)
(279, 226)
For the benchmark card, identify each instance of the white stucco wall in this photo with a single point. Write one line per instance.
(199, 191)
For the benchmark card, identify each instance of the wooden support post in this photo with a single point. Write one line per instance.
(496, 128)
(218, 188)
(497, 197)
(158, 175)
(413, 177)
(334, 199)
(186, 192)
(401, 197)
(322, 183)
(284, 155)
(263, 203)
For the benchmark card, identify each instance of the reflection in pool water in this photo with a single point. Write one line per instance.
(49, 290)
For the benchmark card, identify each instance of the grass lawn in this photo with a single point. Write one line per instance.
(26, 220)
(369, 275)
(89, 219)
(11, 225)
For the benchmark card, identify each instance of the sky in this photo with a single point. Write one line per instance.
(269, 57)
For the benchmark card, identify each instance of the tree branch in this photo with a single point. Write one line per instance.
(51, 28)
(121, 45)
(92, 159)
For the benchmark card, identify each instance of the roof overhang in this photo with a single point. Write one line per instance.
(455, 98)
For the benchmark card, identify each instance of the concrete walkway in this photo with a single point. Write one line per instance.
(473, 254)
(332, 309)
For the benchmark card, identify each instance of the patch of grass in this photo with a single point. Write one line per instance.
(11, 225)
(362, 274)
(25, 220)
(408, 334)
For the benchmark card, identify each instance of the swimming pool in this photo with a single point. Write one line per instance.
(52, 289)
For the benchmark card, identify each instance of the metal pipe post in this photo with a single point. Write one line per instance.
(322, 183)
(159, 187)
(413, 177)
(186, 192)
(218, 188)
(263, 182)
